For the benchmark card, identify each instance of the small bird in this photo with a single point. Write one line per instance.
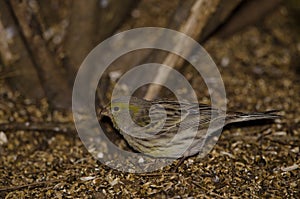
(169, 129)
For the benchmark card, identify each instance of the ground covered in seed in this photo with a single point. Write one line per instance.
(260, 68)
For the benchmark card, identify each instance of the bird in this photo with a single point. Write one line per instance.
(166, 128)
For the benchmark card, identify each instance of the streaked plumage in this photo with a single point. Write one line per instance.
(188, 141)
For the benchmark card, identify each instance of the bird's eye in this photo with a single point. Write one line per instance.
(115, 109)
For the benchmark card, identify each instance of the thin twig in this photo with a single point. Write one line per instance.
(40, 126)
(30, 186)
(155, 174)
(208, 191)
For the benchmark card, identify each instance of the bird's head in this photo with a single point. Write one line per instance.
(119, 108)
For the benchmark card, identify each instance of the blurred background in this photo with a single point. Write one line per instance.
(44, 43)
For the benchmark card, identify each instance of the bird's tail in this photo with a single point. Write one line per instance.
(233, 117)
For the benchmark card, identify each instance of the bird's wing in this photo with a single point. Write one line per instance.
(186, 115)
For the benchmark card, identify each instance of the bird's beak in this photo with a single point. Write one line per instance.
(104, 112)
